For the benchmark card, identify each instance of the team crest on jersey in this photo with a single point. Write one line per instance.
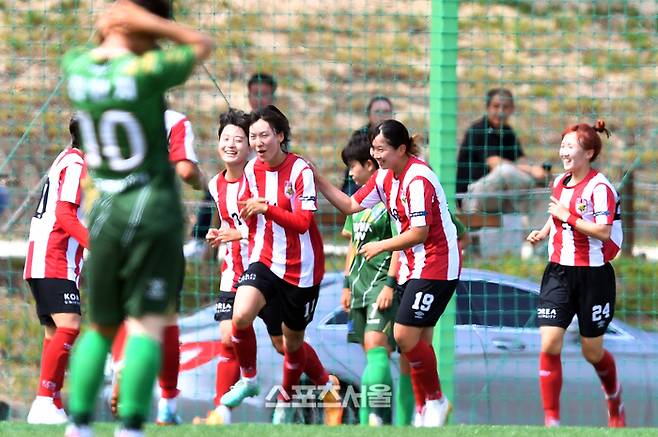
(288, 190)
(581, 205)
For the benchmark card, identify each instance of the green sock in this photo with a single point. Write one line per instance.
(364, 410)
(86, 374)
(404, 401)
(379, 372)
(141, 366)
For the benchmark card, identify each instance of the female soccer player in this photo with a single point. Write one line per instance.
(286, 261)
(430, 259)
(585, 235)
(52, 268)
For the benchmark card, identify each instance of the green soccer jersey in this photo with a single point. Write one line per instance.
(120, 104)
(368, 277)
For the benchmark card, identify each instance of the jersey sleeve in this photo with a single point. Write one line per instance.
(349, 223)
(604, 204)
(159, 70)
(70, 188)
(306, 197)
(368, 195)
(181, 142)
(420, 195)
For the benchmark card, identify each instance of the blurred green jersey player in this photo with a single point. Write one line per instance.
(135, 262)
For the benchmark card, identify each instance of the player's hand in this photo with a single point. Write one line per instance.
(385, 298)
(557, 210)
(535, 237)
(229, 234)
(371, 250)
(253, 206)
(345, 299)
(212, 238)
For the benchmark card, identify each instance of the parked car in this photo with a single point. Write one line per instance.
(496, 360)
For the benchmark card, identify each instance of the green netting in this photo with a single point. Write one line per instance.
(564, 61)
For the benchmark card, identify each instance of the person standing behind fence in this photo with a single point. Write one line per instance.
(52, 269)
(430, 258)
(491, 160)
(379, 108)
(585, 234)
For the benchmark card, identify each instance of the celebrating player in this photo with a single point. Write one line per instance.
(136, 223)
(430, 259)
(585, 235)
(286, 262)
(52, 268)
(182, 155)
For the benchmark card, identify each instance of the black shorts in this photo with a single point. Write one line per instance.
(270, 314)
(423, 301)
(297, 305)
(54, 296)
(588, 292)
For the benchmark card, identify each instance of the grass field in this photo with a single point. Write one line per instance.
(106, 429)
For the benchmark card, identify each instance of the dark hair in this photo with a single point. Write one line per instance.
(587, 136)
(277, 121)
(503, 92)
(74, 130)
(235, 117)
(396, 134)
(265, 78)
(358, 149)
(161, 8)
(378, 99)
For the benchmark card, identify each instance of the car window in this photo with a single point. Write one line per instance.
(491, 304)
(338, 318)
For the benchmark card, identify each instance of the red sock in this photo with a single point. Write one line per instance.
(55, 360)
(293, 367)
(119, 343)
(168, 377)
(419, 392)
(228, 371)
(57, 400)
(550, 384)
(314, 368)
(244, 345)
(607, 372)
(44, 354)
(423, 369)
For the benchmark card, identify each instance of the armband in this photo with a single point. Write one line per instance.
(391, 281)
(346, 282)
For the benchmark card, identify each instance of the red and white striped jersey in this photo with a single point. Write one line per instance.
(180, 136)
(296, 258)
(51, 252)
(226, 194)
(595, 200)
(417, 199)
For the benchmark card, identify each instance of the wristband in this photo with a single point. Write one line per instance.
(571, 220)
(391, 281)
(346, 282)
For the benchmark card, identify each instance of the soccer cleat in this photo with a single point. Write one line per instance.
(375, 420)
(123, 432)
(283, 413)
(73, 430)
(244, 388)
(551, 422)
(436, 412)
(418, 419)
(44, 412)
(166, 414)
(221, 415)
(333, 408)
(616, 413)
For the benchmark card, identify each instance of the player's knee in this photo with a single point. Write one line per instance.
(241, 320)
(592, 353)
(277, 343)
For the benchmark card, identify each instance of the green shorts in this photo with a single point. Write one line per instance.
(370, 318)
(136, 264)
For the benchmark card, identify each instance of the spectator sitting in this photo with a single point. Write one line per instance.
(491, 160)
(379, 108)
